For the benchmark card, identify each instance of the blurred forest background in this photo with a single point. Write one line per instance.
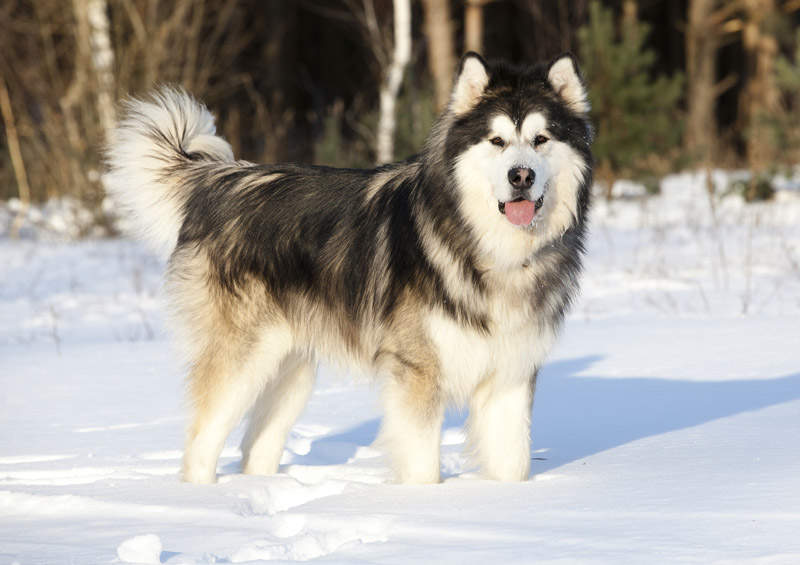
(673, 84)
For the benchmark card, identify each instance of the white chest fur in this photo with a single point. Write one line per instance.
(512, 351)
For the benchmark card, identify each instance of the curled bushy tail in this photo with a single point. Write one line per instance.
(157, 141)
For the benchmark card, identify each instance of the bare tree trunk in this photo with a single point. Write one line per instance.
(701, 47)
(761, 97)
(441, 53)
(102, 58)
(630, 12)
(95, 56)
(394, 77)
(16, 157)
(78, 91)
(473, 25)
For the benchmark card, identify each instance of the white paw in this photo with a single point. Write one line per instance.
(199, 474)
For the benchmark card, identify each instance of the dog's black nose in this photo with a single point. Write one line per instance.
(521, 178)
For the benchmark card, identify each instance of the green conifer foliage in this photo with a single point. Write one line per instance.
(636, 115)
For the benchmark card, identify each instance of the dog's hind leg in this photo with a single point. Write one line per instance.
(274, 412)
(223, 384)
(499, 428)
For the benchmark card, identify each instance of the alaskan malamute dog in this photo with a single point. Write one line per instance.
(446, 275)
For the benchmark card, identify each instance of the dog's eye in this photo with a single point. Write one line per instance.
(539, 140)
(497, 141)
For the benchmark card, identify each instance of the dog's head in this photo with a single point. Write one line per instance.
(518, 144)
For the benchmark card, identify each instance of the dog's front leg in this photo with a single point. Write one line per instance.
(412, 427)
(500, 427)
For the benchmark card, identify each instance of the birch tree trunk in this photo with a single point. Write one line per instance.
(394, 77)
(701, 46)
(441, 53)
(95, 58)
(102, 60)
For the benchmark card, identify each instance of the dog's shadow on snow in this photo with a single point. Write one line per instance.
(340, 447)
(576, 415)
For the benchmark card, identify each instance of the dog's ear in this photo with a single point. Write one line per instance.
(471, 81)
(565, 78)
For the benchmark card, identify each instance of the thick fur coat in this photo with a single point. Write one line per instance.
(446, 276)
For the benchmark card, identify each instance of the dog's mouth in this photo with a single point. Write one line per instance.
(520, 211)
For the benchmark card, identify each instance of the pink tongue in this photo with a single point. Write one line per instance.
(520, 213)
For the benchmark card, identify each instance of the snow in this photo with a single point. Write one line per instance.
(665, 427)
(140, 549)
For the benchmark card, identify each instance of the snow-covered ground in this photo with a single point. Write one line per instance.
(666, 424)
